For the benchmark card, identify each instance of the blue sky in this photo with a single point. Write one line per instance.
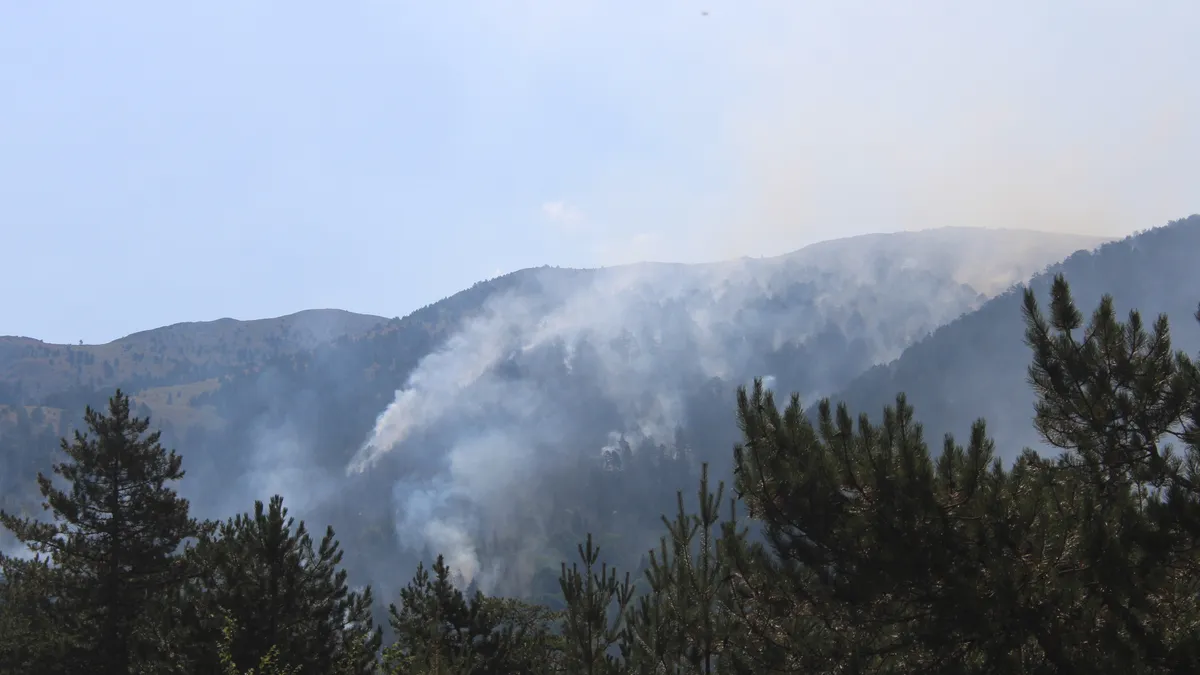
(173, 161)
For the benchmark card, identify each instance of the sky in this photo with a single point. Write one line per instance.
(185, 161)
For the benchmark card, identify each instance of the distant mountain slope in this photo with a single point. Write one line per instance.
(180, 353)
(531, 383)
(988, 260)
(593, 393)
(812, 319)
(976, 366)
(195, 352)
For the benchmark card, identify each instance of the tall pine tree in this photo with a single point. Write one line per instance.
(113, 544)
(593, 622)
(282, 592)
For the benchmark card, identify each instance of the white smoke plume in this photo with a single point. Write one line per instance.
(477, 474)
(651, 332)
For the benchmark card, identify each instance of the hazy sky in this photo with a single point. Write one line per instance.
(173, 161)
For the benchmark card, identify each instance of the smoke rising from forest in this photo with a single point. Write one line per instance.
(494, 414)
(816, 137)
(503, 431)
(772, 127)
(755, 129)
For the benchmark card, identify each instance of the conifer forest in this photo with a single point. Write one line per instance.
(846, 542)
(600, 337)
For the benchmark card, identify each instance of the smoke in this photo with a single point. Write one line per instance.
(277, 447)
(283, 463)
(756, 128)
(565, 368)
(779, 125)
(506, 434)
(510, 325)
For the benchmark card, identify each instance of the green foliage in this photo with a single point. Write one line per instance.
(591, 625)
(434, 626)
(263, 572)
(881, 559)
(267, 665)
(975, 366)
(439, 630)
(1116, 398)
(525, 634)
(686, 623)
(31, 639)
(861, 551)
(111, 551)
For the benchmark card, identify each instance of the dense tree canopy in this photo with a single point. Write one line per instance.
(845, 545)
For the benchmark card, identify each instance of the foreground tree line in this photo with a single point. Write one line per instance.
(845, 547)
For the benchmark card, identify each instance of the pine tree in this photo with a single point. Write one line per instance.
(31, 638)
(519, 638)
(113, 544)
(269, 664)
(360, 640)
(433, 627)
(263, 573)
(1114, 396)
(593, 621)
(684, 623)
(878, 558)
(439, 630)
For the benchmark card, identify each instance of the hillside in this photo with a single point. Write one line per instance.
(976, 366)
(988, 260)
(593, 393)
(187, 359)
(177, 354)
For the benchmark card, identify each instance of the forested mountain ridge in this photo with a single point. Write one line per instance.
(843, 548)
(44, 386)
(988, 260)
(598, 392)
(178, 354)
(974, 366)
(34, 372)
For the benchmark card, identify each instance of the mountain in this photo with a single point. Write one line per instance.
(44, 386)
(976, 366)
(988, 260)
(499, 424)
(183, 352)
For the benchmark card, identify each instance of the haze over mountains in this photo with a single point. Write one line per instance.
(463, 282)
(169, 354)
(591, 393)
(499, 425)
(975, 366)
